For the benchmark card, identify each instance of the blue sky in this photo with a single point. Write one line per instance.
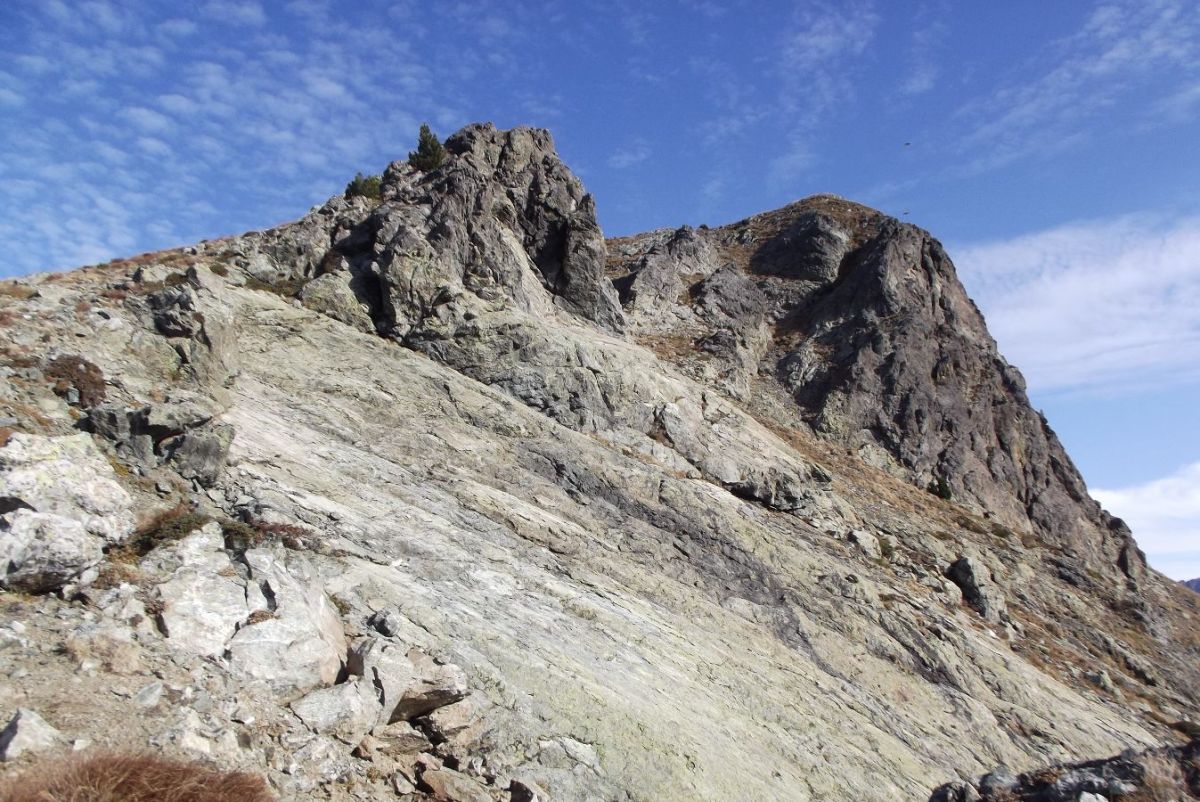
(1053, 147)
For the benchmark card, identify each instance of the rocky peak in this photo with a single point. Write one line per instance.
(862, 320)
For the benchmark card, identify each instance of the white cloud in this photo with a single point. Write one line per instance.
(177, 27)
(147, 119)
(1094, 307)
(634, 153)
(234, 12)
(154, 146)
(1164, 515)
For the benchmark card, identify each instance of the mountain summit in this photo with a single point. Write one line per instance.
(445, 496)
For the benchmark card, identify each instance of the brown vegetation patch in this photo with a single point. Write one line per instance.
(286, 288)
(13, 289)
(74, 371)
(98, 776)
(163, 526)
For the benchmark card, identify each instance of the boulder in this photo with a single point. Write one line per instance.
(204, 600)
(347, 711)
(65, 476)
(27, 732)
(302, 645)
(410, 683)
(42, 552)
(978, 588)
(201, 454)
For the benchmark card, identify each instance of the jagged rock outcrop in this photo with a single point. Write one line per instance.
(1193, 584)
(1157, 774)
(446, 506)
(863, 322)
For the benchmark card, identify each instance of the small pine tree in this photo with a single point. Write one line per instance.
(429, 154)
(940, 488)
(366, 186)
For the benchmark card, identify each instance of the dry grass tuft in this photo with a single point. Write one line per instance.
(163, 526)
(22, 292)
(74, 371)
(1163, 781)
(114, 777)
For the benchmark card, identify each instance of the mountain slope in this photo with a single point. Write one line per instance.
(661, 499)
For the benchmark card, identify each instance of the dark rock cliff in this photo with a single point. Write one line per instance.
(862, 320)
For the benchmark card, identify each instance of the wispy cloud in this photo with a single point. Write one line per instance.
(813, 69)
(1096, 307)
(631, 154)
(922, 61)
(1050, 102)
(1164, 515)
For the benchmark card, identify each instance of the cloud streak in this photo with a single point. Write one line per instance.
(1097, 307)
(1050, 101)
(1164, 515)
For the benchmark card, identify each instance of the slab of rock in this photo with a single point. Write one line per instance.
(41, 552)
(27, 732)
(66, 476)
(347, 711)
(447, 785)
(303, 645)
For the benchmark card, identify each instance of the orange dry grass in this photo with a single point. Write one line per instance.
(113, 777)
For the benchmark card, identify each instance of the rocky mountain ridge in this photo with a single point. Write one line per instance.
(641, 519)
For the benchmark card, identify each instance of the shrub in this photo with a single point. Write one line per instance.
(160, 527)
(429, 154)
(99, 776)
(940, 488)
(364, 186)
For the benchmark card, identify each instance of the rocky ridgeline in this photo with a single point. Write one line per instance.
(444, 497)
(1155, 775)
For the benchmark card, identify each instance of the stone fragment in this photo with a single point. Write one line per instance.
(400, 737)
(65, 476)
(27, 732)
(347, 711)
(302, 646)
(447, 785)
(978, 588)
(41, 552)
(149, 696)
